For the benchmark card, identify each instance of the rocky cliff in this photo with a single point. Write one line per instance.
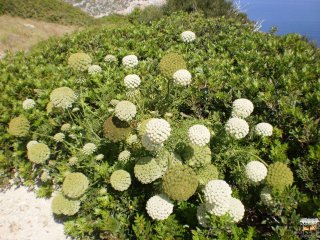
(100, 8)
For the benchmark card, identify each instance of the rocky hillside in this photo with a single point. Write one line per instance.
(100, 8)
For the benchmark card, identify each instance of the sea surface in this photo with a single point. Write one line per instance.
(298, 16)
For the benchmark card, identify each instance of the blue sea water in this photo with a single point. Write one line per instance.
(299, 16)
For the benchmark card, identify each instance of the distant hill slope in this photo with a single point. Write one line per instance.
(100, 8)
(20, 34)
(56, 11)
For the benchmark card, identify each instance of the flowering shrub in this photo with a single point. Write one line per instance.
(182, 77)
(120, 180)
(146, 160)
(62, 97)
(79, 61)
(19, 126)
(130, 61)
(94, 69)
(159, 207)
(188, 36)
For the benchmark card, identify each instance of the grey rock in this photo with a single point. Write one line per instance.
(100, 8)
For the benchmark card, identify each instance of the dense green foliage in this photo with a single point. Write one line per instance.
(228, 60)
(56, 11)
(210, 8)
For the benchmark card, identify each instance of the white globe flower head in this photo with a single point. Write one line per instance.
(242, 108)
(45, 176)
(80, 80)
(264, 129)
(73, 136)
(72, 161)
(65, 127)
(158, 130)
(114, 102)
(130, 61)
(124, 156)
(217, 192)
(159, 207)
(188, 36)
(76, 109)
(63, 97)
(149, 145)
(202, 215)
(199, 135)
(28, 104)
(125, 111)
(236, 210)
(99, 157)
(132, 81)
(237, 128)
(31, 143)
(132, 139)
(110, 58)
(266, 196)
(94, 69)
(59, 137)
(256, 171)
(89, 148)
(182, 77)
(218, 209)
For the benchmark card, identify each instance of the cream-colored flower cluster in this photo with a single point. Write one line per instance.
(59, 137)
(182, 77)
(31, 143)
(63, 97)
(89, 148)
(147, 170)
(154, 133)
(266, 196)
(242, 108)
(237, 128)
(65, 127)
(28, 104)
(188, 36)
(38, 152)
(94, 69)
(264, 129)
(110, 58)
(202, 215)
(130, 61)
(124, 156)
(132, 81)
(158, 130)
(159, 207)
(199, 135)
(149, 145)
(220, 202)
(217, 192)
(125, 111)
(74, 185)
(120, 180)
(256, 171)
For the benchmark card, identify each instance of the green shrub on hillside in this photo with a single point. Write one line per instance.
(46, 10)
(210, 8)
(227, 61)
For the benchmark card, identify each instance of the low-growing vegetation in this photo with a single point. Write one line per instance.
(210, 8)
(22, 34)
(56, 11)
(186, 128)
